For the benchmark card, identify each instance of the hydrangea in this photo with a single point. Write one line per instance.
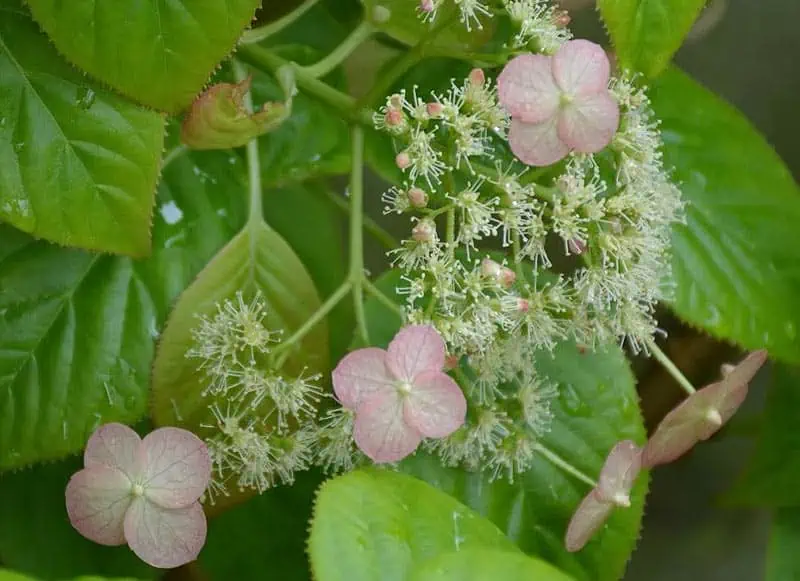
(142, 492)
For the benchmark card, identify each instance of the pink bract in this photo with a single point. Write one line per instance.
(143, 492)
(559, 104)
(400, 395)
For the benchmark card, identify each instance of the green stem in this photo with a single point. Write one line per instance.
(370, 225)
(516, 249)
(559, 462)
(263, 59)
(382, 298)
(263, 32)
(256, 212)
(450, 232)
(667, 364)
(321, 68)
(356, 235)
(282, 350)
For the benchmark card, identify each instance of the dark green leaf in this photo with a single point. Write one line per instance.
(646, 33)
(481, 564)
(80, 164)
(597, 407)
(266, 533)
(783, 555)
(159, 53)
(375, 524)
(37, 538)
(735, 264)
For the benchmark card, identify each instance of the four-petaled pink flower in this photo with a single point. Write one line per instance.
(559, 103)
(143, 492)
(400, 395)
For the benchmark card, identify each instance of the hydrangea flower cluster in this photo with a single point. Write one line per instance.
(586, 231)
(265, 422)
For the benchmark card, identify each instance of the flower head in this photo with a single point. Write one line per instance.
(613, 489)
(400, 395)
(142, 492)
(702, 414)
(559, 104)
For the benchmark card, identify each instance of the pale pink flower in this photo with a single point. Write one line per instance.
(559, 104)
(142, 492)
(400, 395)
(702, 414)
(613, 489)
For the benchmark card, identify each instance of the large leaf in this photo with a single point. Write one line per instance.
(160, 53)
(772, 475)
(77, 332)
(481, 564)
(597, 406)
(79, 163)
(735, 264)
(36, 537)
(266, 533)
(375, 524)
(783, 556)
(646, 33)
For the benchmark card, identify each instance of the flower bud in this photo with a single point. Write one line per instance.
(523, 306)
(417, 197)
(490, 269)
(450, 362)
(426, 6)
(477, 78)
(506, 277)
(434, 109)
(561, 19)
(402, 160)
(424, 231)
(576, 246)
(396, 101)
(393, 117)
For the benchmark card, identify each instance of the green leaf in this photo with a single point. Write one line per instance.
(36, 537)
(80, 164)
(646, 33)
(735, 267)
(159, 53)
(597, 407)
(77, 329)
(771, 476)
(783, 562)
(482, 564)
(266, 533)
(406, 25)
(374, 524)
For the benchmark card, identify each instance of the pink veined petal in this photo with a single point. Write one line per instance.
(536, 144)
(590, 515)
(97, 499)
(589, 123)
(436, 406)
(165, 537)
(527, 90)
(380, 430)
(177, 467)
(116, 446)
(622, 466)
(415, 349)
(359, 374)
(581, 67)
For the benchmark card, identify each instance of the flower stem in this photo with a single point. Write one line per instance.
(559, 462)
(256, 213)
(383, 299)
(516, 249)
(356, 225)
(450, 232)
(321, 68)
(282, 350)
(264, 32)
(671, 368)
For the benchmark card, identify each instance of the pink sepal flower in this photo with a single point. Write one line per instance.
(142, 492)
(559, 104)
(400, 395)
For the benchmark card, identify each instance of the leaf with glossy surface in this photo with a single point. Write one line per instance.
(159, 53)
(482, 564)
(735, 267)
(34, 523)
(80, 163)
(646, 33)
(597, 406)
(375, 524)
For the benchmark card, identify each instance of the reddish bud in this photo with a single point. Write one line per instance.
(576, 246)
(393, 117)
(562, 19)
(477, 77)
(417, 197)
(523, 306)
(507, 277)
(490, 269)
(434, 109)
(450, 362)
(424, 231)
(426, 5)
(402, 160)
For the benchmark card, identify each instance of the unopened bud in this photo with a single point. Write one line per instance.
(450, 362)
(417, 197)
(576, 246)
(396, 101)
(523, 306)
(562, 19)
(477, 78)
(426, 6)
(424, 231)
(393, 117)
(402, 160)
(507, 277)
(434, 109)
(490, 269)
